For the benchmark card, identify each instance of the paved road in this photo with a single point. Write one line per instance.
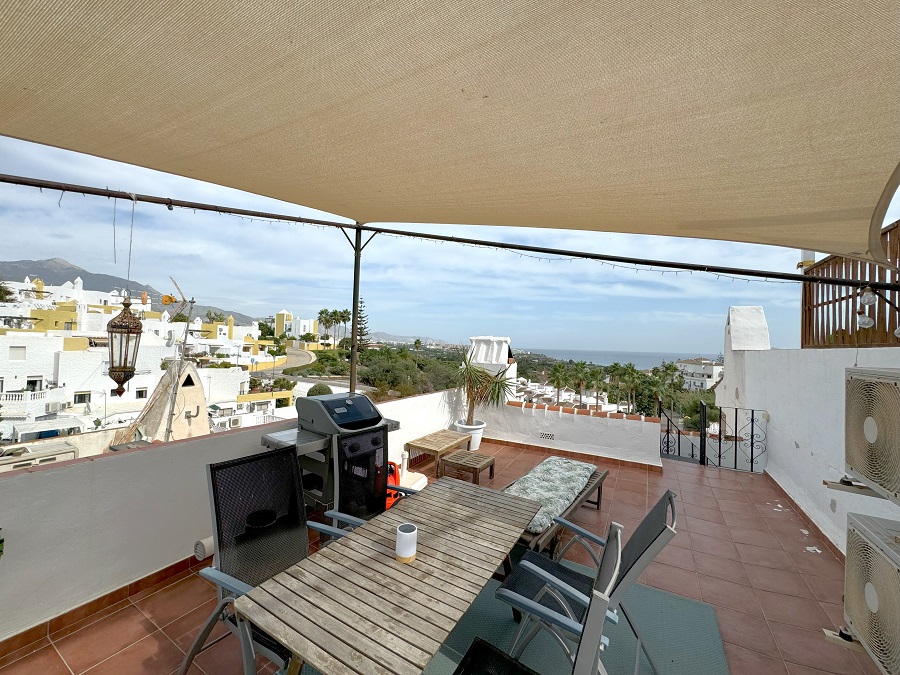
(301, 357)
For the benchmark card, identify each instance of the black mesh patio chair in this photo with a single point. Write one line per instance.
(259, 530)
(361, 473)
(555, 586)
(586, 634)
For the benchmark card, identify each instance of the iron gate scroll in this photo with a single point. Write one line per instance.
(735, 440)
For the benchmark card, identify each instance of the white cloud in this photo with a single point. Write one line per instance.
(410, 286)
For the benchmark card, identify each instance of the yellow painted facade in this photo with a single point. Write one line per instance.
(63, 317)
(266, 396)
(282, 321)
(75, 344)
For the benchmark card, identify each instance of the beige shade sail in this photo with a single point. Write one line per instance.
(766, 121)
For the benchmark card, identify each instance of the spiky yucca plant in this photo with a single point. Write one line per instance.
(482, 388)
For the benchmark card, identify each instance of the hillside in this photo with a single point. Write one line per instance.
(57, 271)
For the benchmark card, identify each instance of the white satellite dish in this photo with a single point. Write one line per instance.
(170, 338)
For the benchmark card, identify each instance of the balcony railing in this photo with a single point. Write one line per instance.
(828, 316)
(23, 396)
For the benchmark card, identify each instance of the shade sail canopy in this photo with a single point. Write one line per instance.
(766, 121)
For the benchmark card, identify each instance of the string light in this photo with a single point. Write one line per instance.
(275, 220)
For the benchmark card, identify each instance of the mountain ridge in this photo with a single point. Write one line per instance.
(57, 271)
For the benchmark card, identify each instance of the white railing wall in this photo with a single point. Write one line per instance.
(79, 530)
(803, 391)
(601, 436)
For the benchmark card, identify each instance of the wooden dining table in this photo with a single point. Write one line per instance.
(352, 608)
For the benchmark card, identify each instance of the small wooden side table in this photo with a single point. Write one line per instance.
(438, 444)
(466, 460)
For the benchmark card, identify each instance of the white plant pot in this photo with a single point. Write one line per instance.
(476, 430)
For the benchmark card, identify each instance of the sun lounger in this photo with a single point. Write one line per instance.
(591, 494)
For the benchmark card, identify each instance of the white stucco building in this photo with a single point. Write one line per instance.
(700, 374)
(802, 392)
(494, 355)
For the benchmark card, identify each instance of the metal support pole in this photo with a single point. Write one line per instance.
(354, 346)
(702, 433)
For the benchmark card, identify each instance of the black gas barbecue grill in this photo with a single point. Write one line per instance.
(335, 430)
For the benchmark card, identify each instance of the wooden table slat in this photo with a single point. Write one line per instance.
(507, 505)
(451, 574)
(352, 608)
(339, 630)
(478, 493)
(467, 549)
(496, 530)
(322, 576)
(302, 635)
(346, 568)
(387, 576)
(490, 539)
(492, 508)
(355, 611)
(422, 573)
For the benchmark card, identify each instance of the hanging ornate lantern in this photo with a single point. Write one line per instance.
(124, 337)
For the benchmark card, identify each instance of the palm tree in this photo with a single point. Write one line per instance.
(559, 378)
(578, 374)
(631, 378)
(669, 376)
(335, 317)
(325, 320)
(614, 370)
(596, 379)
(417, 345)
(346, 317)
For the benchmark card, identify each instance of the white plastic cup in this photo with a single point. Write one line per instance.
(405, 551)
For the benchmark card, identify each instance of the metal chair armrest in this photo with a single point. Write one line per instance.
(556, 583)
(527, 606)
(406, 491)
(344, 518)
(587, 534)
(226, 581)
(321, 528)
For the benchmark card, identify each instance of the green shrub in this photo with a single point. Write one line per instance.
(319, 389)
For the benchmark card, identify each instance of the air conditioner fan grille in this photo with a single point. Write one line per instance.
(879, 631)
(878, 461)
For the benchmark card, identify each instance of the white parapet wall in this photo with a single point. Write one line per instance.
(632, 440)
(79, 530)
(803, 391)
(419, 416)
(624, 439)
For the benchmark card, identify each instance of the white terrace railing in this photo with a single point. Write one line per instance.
(23, 396)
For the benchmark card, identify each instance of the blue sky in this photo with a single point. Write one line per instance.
(411, 287)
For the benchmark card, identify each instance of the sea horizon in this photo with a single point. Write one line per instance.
(641, 360)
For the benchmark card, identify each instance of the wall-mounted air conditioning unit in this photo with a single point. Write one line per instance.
(235, 421)
(872, 588)
(872, 429)
(53, 407)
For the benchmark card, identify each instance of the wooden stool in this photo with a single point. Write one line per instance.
(466, 460)
(439, 444)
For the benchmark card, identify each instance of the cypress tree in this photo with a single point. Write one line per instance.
(362, 327)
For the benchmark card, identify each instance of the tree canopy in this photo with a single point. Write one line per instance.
(6, 293)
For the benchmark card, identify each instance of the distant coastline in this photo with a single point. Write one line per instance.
(641, 360)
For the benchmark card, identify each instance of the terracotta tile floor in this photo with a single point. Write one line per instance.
(739, 548)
